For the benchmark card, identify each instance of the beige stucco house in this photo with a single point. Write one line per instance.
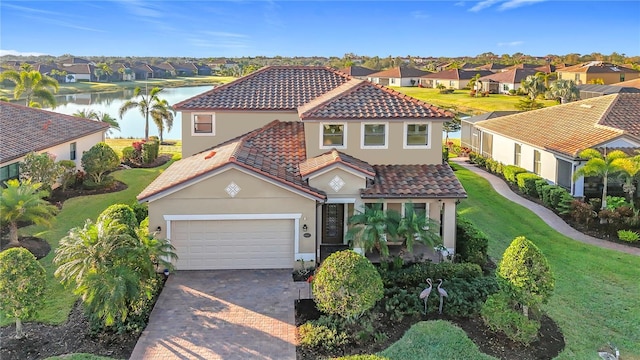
(275, 162)
(24, 130)
(548, 141)
(597, 71)
(452, 79)
(398, 76)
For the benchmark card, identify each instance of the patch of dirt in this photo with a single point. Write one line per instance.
(549, 344)
(74, 336)
(39, 247)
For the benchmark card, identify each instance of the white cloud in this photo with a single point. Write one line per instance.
(512, 4)
(511, 43)
(459, 3)
(141, 8)
(20, 53)
(419, 14)
(224, 34)
(483, 5)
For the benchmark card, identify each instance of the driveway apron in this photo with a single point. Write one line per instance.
(223, 314)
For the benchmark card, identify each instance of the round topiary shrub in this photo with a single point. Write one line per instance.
(347, 285)
(123, 213)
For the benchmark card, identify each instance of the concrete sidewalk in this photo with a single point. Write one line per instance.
(545, 214)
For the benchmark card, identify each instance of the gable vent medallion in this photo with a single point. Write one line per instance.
(232, 189)
(336, 183)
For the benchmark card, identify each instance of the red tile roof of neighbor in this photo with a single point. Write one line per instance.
(270, 88)
(277, 152)
(598, 67)
(573, 127)
(414, 181)
(333, 157)
(635, 83)
(357, 71)
(359, 99)
(399, 72)
(514, 76)
(456, 74)
(24, 129)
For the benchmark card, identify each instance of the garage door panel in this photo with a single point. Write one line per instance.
(233, 244)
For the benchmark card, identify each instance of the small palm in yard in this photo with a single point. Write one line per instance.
(372, 228)
(145, 104)
(24, 202)
(602, 166)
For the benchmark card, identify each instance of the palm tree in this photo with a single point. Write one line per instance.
(564, 91)
(475, 81)
(602, 166)
(98, 116)
(162, 114)
(417, 227)
(24, 202)
(534, 85)
(372, 228)
(630, 169)
(32, 85)
(145, 104)
(101, 70)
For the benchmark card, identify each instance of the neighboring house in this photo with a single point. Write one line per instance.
(79, 72)
(26, 129)
(398, 76)
(121, 72)
(635, 83)
(75, 61)
(185, 69)
(358, 72)
(597, 70)
(222, 64)
(592, 90)
(547, 69)
(503, 82)
(547, 141)
(470, 136)
(204, 70)
(168, 68)
(274, 164)
(493, 67)
(146, 71)
(454, 78)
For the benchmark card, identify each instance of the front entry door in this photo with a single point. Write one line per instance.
(332, 223)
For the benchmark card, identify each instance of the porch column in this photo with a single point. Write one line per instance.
(578, 185)
(318, 230)
(449, 226)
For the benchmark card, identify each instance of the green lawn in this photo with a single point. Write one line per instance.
(59, 300)
(597, 295)
(118, 144)
(461, 100)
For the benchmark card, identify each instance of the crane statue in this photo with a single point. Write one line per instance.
(424, 295)
(443, 294)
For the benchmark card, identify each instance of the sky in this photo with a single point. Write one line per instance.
(203, 29)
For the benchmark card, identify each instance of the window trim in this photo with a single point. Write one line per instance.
(73, 151)
(333, 146)
(362, 135)
(213, 124)
(406, 133)
(537, 162)
(517, 154)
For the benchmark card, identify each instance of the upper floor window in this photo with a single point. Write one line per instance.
(203, 124)
(333, 135)
(621, 77)
(72, 151)
(517, 154)
(416, 135)
(374, 135)
(537, 164)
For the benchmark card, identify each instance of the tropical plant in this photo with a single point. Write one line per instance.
(524, 274)
(99, 160)
(630, 170)
(33, 85)
(145, 104)
(475, 84)
(418, 227)
(534, 85)
(22, 284)
(162, 114)
(563, 91)
(527, 104)
(98, 116)
(41, 168)
(347, 285)
(451, 126)
(602, 166)
(24, 202)
(372, 228)
(102, 70)
(68, 173)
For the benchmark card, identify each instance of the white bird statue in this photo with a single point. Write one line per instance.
(443, 294)
(424, 295)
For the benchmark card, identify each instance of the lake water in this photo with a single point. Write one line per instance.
(132, 123)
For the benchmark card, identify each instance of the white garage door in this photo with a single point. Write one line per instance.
(233, 244)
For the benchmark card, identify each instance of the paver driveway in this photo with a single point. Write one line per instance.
(223, 314)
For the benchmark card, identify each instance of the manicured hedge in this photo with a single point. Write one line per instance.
(471, 243)
(527, 183)
(510, 172)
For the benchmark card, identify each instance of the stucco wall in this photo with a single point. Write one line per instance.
(393, 154)
(227, 125)
(256, 196)
(351, 188)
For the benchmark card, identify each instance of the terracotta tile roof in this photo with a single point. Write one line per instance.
(271, 88)
(358, 99)
(635, 83)
(492, 66)
(414, 181)
(399, 72)
(273, 151)
(357, 71)
(456, 74)
(573, 127)
(598, 67)
(78, 69)
(514, 76)
(24, 129)
(332, 157)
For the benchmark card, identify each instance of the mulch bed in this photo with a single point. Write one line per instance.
(549, 344)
